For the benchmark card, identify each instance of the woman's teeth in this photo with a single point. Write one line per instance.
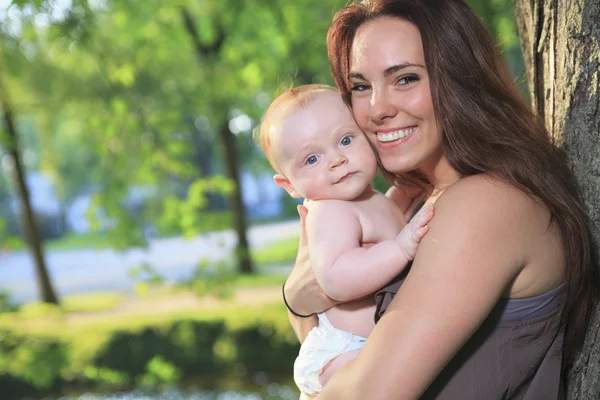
(395, 135)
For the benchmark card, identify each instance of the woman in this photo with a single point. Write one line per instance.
(507, 257)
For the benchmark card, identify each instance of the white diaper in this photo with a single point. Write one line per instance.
(323, 344)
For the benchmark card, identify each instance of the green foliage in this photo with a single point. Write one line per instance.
(189, 216)
(146, 277)
(251, 343)
(36, 360)
(159, 373)
(153, 356)
(105, 376)
(6, 303)
(212, 278)
(188, 345)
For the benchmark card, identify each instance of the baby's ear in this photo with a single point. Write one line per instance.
(287, 185)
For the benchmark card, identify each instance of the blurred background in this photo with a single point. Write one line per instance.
(143, 243)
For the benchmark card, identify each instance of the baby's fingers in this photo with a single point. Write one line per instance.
(423, 216)
(419, 233)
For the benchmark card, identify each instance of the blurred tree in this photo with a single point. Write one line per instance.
(121, 99)
(561, 47)
(11, 144)
(211, 51)
(243, 50)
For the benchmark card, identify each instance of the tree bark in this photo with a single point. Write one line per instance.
(237, 205)
(560, 42)
(34, 242)
(229, 143)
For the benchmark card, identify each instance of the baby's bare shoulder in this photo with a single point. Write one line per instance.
(329, 207)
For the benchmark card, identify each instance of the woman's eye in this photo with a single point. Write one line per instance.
(407, 80)
(359, 88)
(311, 160)
(346, 141)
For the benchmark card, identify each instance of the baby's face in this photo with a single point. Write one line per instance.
(322, 152)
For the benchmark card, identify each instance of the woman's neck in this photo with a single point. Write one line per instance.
(440, 174)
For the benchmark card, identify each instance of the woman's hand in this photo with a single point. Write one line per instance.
(302, 291)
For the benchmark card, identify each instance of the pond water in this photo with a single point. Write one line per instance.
(260, 387)
(273, 392)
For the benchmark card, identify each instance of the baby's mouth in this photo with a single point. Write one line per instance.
(344, 177)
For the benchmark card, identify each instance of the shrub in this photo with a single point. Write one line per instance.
(262, 349)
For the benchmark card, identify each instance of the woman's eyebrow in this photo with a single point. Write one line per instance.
(395, 68)
(357, 76)
(388, 71)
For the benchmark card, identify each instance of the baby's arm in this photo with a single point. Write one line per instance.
(347, 271)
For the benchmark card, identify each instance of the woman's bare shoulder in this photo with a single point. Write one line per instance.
(485, 193)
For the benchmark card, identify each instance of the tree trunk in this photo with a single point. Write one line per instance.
(228, 141)
(560, 43)
(237, 205)
(29, 223)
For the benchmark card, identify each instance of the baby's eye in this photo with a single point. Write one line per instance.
(311, 160)
(346, 141)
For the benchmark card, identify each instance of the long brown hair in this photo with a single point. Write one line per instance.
(486, 127)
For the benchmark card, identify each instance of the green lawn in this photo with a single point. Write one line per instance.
(105, 301)
(280, 252)
(67, 242)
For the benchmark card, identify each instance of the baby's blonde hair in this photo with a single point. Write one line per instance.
(282, 107)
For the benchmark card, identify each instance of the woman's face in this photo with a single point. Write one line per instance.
(391, 100)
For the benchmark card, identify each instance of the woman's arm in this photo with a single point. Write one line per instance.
(473, 251)
(302, 292)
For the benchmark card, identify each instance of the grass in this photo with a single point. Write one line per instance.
(48, 320)
(106, 301)
(283, 251)
(67, 242)
(92, 302)
(84, 302)
(280, 252)
(251, 281)
(85, 241)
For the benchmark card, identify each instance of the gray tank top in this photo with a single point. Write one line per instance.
(515, 354)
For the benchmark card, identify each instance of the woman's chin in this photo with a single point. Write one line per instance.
(398, 166)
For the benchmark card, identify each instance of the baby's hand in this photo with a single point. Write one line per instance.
(410, 236)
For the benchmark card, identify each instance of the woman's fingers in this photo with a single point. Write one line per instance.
(302, 212)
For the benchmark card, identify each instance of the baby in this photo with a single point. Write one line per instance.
(320, 154)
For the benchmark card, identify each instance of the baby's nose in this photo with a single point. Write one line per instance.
(340, 159)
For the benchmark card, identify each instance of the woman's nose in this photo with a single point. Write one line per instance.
(380, 107)
(337, 161)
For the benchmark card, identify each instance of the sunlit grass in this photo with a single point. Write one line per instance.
(84, 302)
(45, 318)
(85, 241)
(244, 281)
(67, 242)
(92, 302)
(280, 252)
(55, 323)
